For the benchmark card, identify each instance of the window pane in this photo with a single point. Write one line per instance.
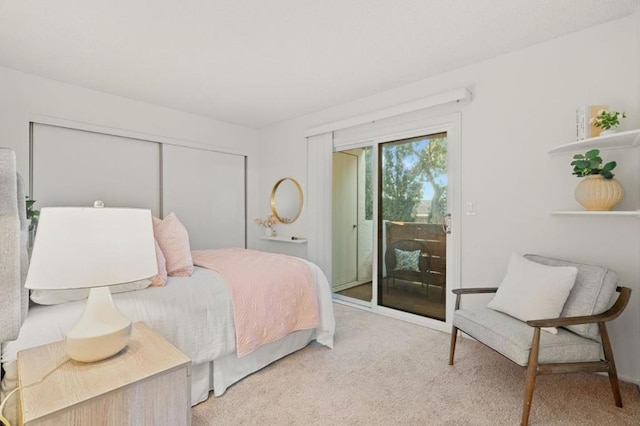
(412, 243)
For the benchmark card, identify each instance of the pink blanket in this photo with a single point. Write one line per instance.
(273, 295)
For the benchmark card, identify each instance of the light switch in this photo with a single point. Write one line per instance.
(470, 208)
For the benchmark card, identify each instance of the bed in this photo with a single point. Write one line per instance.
(194, 313)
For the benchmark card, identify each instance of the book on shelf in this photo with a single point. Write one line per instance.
(584, 114)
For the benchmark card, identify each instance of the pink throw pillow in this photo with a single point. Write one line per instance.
(161, 278)
(173, 239)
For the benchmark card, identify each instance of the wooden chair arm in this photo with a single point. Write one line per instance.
(470, 290)
(610, 314)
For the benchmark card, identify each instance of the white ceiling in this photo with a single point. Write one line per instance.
(257, 62)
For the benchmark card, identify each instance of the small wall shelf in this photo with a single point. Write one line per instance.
(631, 213)
(297, 240)
(628, 139)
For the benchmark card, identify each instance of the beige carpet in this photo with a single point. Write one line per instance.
(388, 372)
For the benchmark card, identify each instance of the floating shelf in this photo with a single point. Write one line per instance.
(628, 139)
(631, 213)
(298, 240)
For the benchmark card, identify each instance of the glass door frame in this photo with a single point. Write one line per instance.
(451, 124)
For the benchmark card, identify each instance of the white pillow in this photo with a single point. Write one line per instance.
(55, 297)
(532, 291)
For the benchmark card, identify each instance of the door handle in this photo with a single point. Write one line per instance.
(355, 226)
(446, 223)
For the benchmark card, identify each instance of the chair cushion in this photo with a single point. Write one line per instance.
(591, 294)
(512, 338)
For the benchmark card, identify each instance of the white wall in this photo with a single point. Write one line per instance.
(25, 97)
(282, 154)
(524, 104)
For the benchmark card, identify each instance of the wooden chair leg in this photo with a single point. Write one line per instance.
(532, 372)
(452, 347)
(454, 333)
(608, 356)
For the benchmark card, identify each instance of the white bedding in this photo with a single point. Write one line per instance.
(192, 313)
(195, 314)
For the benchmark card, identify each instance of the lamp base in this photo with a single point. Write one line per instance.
(101, 332)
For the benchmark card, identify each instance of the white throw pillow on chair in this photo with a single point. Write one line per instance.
(532, 291)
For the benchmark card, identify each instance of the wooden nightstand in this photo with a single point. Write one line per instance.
(148, 383)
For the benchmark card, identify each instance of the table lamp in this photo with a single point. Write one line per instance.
(93, 247)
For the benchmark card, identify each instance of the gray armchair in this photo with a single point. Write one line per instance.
(582, 331)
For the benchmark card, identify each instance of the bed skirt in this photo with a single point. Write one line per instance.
(218, 375)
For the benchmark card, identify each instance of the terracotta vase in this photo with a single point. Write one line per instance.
(596, 193)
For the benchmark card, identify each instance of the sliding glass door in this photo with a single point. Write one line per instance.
(412, 211)
(393, 247)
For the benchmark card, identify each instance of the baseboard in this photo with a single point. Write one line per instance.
(627, 379)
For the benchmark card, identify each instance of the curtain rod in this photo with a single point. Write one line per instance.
(456, 95)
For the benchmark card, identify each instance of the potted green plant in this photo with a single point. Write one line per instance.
(598, 190)
(590, 164)
(32, 217)
(607, 120)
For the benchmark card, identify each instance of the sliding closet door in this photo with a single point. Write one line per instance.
(206, 191)
(72, 167)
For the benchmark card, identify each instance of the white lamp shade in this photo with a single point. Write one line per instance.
(80, 247)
